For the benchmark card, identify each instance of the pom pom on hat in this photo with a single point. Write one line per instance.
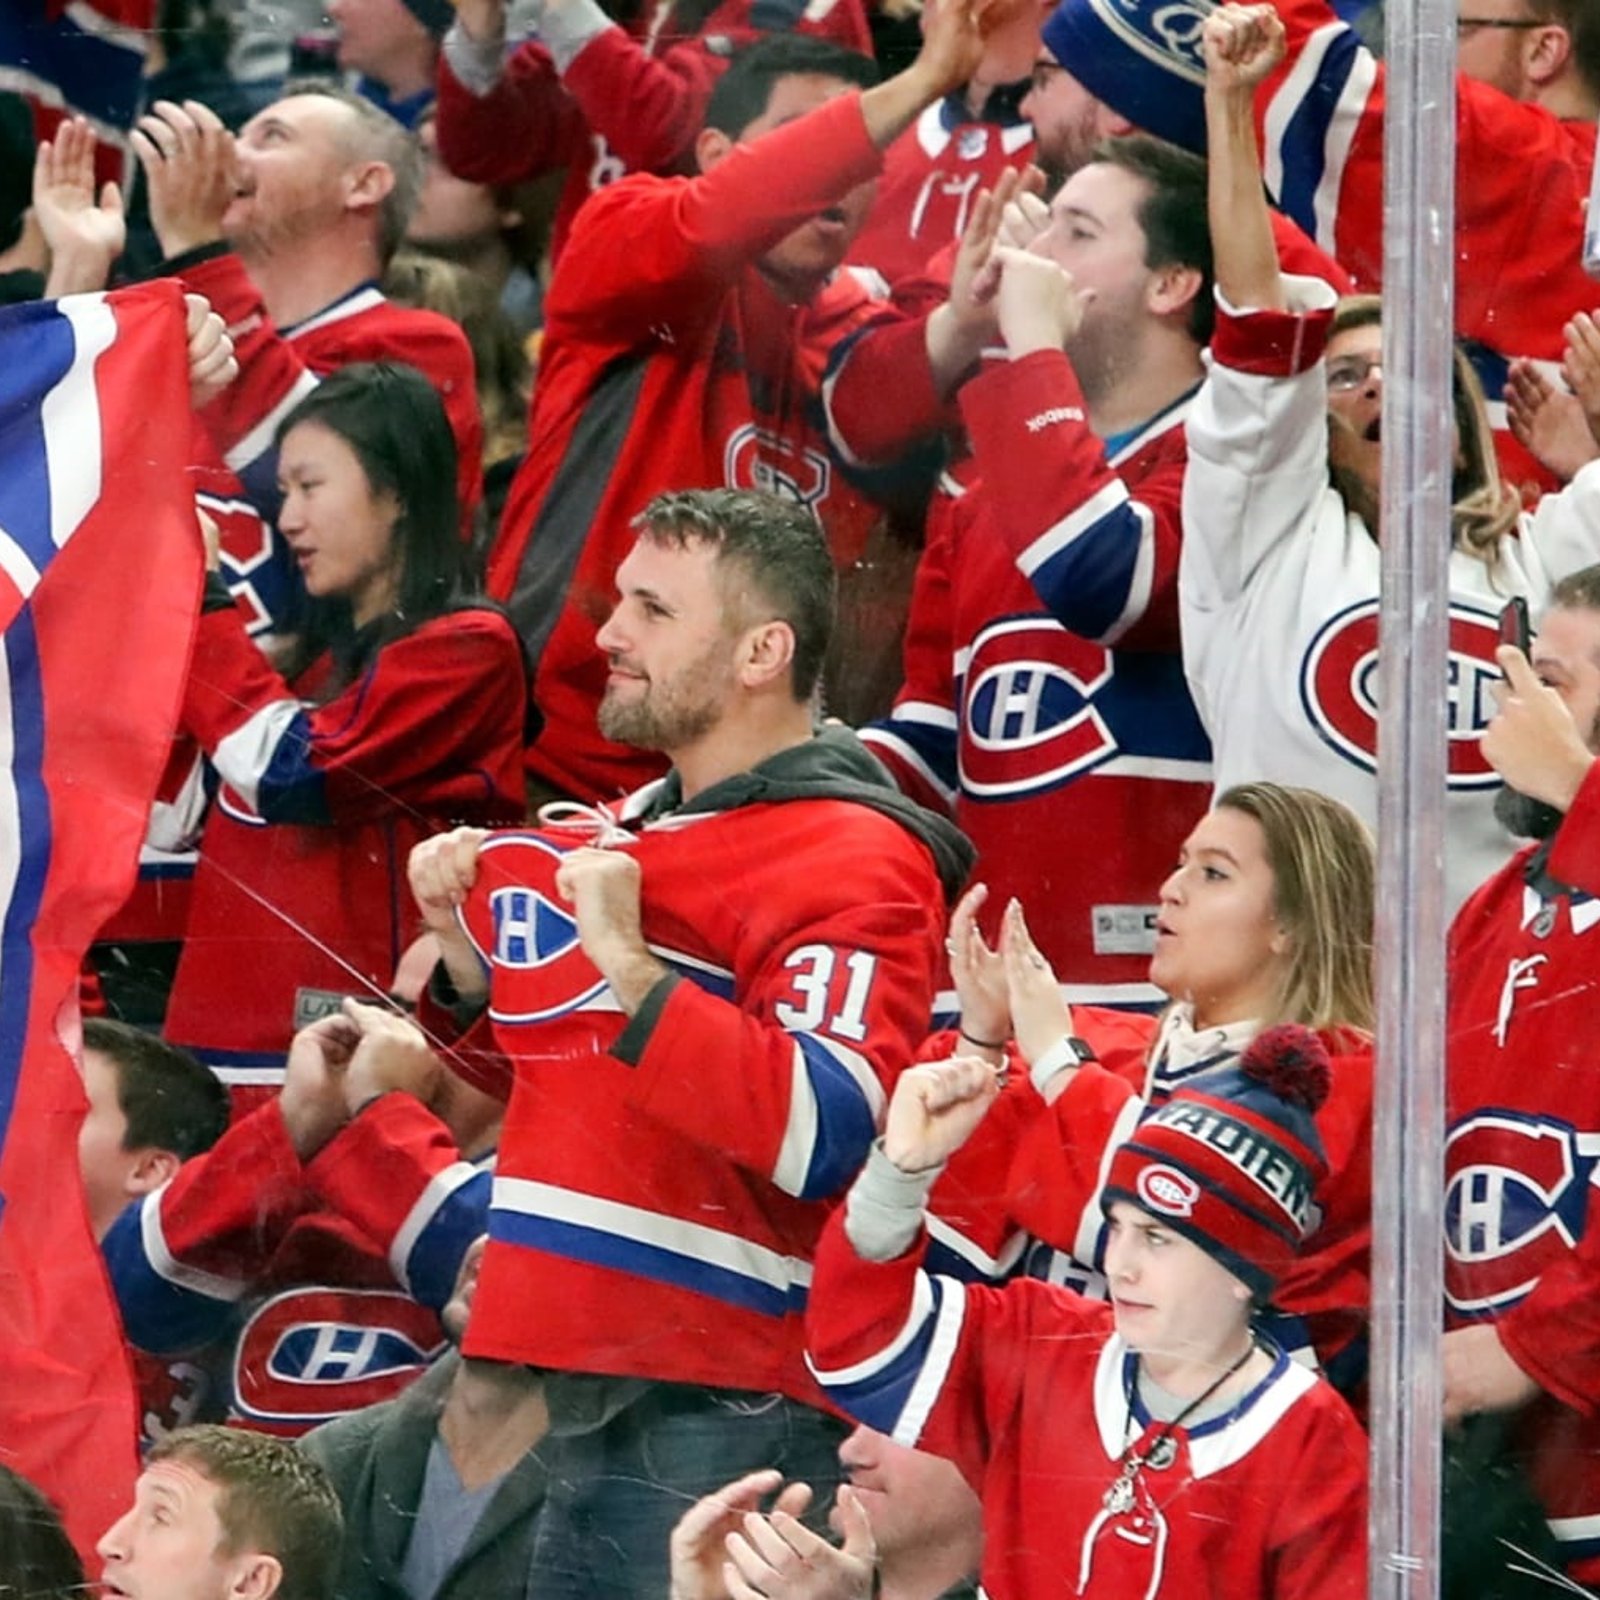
(1292, 1062)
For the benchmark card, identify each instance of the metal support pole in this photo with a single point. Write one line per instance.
(1419, 264)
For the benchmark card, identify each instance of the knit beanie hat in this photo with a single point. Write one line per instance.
(1232, 1162)
(434, 15)
(1141, 57)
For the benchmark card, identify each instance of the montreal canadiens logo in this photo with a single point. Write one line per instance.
(1516, 1198)
(756, 458)
(1339, 689)
(1028, 715)
(1168, 1191)
(528, 935)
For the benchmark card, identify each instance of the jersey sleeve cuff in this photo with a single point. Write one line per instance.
(630, 1044)
(1276, 344)
(1575, 855)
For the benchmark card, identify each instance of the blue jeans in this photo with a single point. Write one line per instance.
(615, 1493)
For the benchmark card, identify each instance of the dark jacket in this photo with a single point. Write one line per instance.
(377, 1458)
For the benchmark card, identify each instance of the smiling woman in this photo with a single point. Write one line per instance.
(398, 710)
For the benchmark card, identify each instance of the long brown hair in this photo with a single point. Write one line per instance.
(1323, 868)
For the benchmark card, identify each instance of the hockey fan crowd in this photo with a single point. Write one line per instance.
(783, 711)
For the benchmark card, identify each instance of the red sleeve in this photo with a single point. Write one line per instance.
(525, 126)
(888, 356)
(1103, 560)
(1554, 1334)
(435, 723)
(226, 1211)
(1058, 1168)
(381, 1163)
(1270, 344)
(691, 234)
(938, 1365)
(648, 109)
(1522, 184)
(790, 1078)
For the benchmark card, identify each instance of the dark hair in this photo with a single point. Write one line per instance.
(375, 136)
(395, 422)
(1581, 19)
(37, 1561)
(779, 549)
(1172, 214)
(170, 1100)
(272, 1499)
(744, 91)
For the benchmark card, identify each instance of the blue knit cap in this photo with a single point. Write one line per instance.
(1141, 57)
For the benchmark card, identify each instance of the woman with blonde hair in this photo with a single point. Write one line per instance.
(1266, 919)
(1279, 576)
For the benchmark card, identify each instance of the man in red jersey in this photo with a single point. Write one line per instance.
(687, 329)
(697, 1002)
(1521, 1241)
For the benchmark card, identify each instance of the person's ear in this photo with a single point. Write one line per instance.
(1546, 53)
(367, 185)
(767, 654)
(257, 1576)
(1174, 289)
(710, 146)
(1282, 941)
(152, 1167)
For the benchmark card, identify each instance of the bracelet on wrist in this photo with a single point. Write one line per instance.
(982, 1044)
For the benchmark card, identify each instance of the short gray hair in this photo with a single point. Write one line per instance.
(376, 136)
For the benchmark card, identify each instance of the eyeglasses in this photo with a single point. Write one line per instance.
(1352, 372)
(1043, 72)
(1463, 24)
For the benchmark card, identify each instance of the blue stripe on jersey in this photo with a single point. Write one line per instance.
(293, 787)
(845, 1125)
(160, 1317)
(879, 1399)
(1303, 147)
(600, 1248)
(1085, 584)
(434, 1260)
(934, 746)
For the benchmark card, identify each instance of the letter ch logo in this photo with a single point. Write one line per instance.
(1167, 1190)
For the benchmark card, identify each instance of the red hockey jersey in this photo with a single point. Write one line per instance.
(1522, 1240)
(1044, 691)
(932, 175)
(668, 362)
(631, 100)
(661, 1181)
(321, 1283)
(1032, 1394)
(300, 894)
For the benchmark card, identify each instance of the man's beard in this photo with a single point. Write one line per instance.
(664, 717)
(1524, 816)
